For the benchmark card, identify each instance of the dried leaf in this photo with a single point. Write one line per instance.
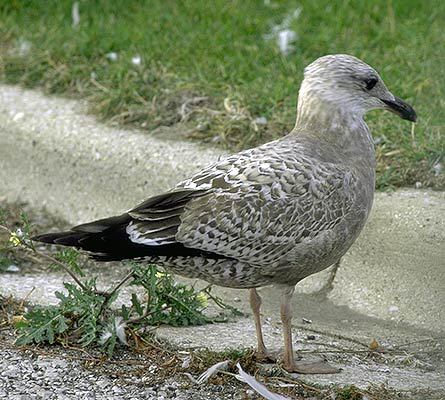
(374, 345)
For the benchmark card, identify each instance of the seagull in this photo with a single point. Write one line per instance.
(270, 215)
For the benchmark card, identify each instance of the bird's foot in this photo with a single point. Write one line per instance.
(305, 367)
(267, 356)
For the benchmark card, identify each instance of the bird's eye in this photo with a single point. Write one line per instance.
(370, 83)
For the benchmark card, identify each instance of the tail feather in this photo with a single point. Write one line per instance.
(68, 238)
(107, 240)
(102, 225)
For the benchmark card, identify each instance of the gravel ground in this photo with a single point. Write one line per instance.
(27, 376)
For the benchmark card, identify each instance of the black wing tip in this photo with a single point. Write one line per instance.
(68, 238)
(101, 225)
(46, 237)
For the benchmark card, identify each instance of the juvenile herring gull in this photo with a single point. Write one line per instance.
(274, 214)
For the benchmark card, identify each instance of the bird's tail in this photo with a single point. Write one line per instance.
(104, 240)
(107, 240)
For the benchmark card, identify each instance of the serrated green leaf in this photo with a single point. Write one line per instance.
(42, 325)
(125, 312)
(136, 304)
(70, 258)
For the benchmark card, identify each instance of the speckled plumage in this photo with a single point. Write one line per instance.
(269, 215)
(278, 212)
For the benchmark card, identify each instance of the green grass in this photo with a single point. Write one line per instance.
(211, 60)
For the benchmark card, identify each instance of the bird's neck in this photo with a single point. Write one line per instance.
(342, 127)
(327, 112)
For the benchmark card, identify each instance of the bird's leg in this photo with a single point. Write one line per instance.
(328, 286)
(289, 362)
(255, 304)
(286, 319)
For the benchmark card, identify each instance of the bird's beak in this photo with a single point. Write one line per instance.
(402, 109)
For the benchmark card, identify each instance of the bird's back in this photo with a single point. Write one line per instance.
(292, 206)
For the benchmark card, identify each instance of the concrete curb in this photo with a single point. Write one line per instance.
(55, 156)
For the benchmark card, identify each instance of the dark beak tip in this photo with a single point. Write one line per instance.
(404, 110)
(411, 117)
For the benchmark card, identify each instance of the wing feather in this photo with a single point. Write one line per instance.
(259, 208)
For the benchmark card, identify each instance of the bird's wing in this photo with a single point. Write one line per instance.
(148, 230)
(254, 206)
(155, 222)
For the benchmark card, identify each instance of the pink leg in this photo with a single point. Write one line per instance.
(255, 304)
(289, 362)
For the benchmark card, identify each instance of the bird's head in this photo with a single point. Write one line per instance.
(346, 84)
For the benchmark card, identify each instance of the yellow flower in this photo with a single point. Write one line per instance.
(159, 274)
(203, 299)
(14, 239)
